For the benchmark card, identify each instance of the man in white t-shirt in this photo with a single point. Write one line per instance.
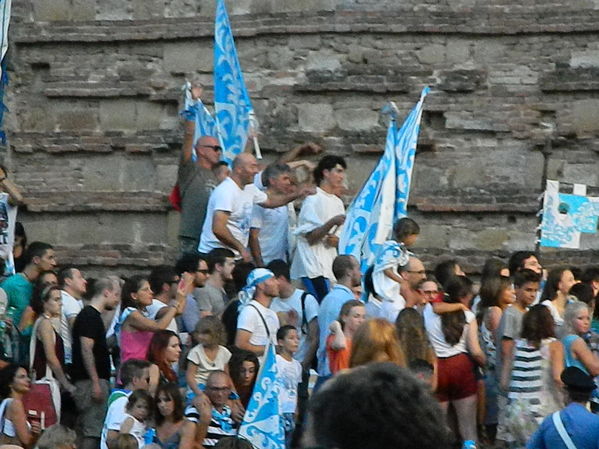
(163, 281)
(73, 286)
(134, 375)
(319, 226)
(257, 323)
(299, 309)
(229, 213)
(268, 230)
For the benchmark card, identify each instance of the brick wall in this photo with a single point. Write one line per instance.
(94, 93)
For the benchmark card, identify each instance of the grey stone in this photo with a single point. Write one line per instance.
(316, 117)
(356, 119)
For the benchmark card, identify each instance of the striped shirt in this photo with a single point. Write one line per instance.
(221, 424)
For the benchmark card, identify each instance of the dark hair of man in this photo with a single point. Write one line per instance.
(132, 368)
(240, 274)
(63, 274)
(170, 390)
(279, 268)
(20, 232)
(36, 249)
(342, 265)
(160, 275)
(525, 276)
(404, 227)
(381, 396)
(554, 277)
(453, 323)
(445, 271)
(583, 292)
(273, 171)
(537, 324)
(517, 260)
(284, 330)
(233, 443)
(590, 274)
(578, 395)
(187, 263)
(218, 256)
(328, 162)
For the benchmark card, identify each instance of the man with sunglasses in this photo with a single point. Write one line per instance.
(196, 181)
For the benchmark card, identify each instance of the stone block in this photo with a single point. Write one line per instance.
(148, 9)
(188, 57)
(51, 10)
(461, 80)
(491, 239)
(138, 173)
(118, 114)
(315, 117)
(83, 10)
(279, 6)
(582, 117)
(431, 54)
(113, 10)
(585, 58)
(458, 51)
(100, 172)
(76, 120)
(148, 115)
(433, 236)
(323, 61)
(356, 119)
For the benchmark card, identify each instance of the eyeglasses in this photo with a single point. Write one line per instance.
(219, 389)
(216, 148)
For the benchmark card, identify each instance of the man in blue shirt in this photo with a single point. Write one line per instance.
(581, 426)
(347, 272)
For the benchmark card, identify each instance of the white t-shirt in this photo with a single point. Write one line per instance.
(229, 197)
(390, 309)
(8, 218)
(432, 322)
(71, 307)
(273, 225)
(198, 357)
(153, 309)
(312, 261)
(114, 416)
(250, 320)
(311, 310)
(138, 430)
(290, 375)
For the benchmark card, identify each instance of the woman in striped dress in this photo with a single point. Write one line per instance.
(535, 387)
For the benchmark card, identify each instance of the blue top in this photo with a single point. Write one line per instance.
(581, 425)
(569, 359)
(19, 291)
(329, 312)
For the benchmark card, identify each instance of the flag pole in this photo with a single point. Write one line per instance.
(254, 131)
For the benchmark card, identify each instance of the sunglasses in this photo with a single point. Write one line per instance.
(216, 148)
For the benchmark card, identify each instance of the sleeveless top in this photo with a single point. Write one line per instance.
(569, 359)
(171, 442)
(40, 362)
(134, 344)
(8, 428)
(487, 343)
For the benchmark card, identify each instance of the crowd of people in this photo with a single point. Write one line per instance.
(401, 355)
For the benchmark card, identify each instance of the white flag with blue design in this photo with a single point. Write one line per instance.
(383, 198)
(262, 424)
(231, 100)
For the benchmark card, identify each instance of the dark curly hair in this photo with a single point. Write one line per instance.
(537, 324)
(453, 323)
(7, 375)
(381, 396)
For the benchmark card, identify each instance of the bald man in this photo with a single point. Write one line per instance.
(196, 181)
(227, 223)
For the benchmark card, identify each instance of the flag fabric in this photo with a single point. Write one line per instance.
(262, 424)
(205, 123)
(231, 99)
(4, 21)
(384, 196)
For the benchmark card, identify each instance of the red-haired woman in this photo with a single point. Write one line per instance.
(164, 351)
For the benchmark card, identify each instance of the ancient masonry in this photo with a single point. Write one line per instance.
(95, 134)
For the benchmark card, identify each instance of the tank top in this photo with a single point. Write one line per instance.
(569, 359)
(40, 362)
(134, 344)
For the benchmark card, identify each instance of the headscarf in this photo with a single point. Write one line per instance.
(256, 276)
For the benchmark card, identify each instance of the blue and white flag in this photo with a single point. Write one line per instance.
(231, 100)
(383, 198)
(4, 22)
(262, 424)
(205, 124)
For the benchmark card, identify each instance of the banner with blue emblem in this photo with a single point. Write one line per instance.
(234, 111)
(383, 198)
(262, 424)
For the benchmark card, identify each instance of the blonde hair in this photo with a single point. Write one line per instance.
(376, 341)
(214, 327)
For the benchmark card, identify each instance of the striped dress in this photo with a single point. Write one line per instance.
(532, 393)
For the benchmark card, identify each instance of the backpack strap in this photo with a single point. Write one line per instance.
(304, 327)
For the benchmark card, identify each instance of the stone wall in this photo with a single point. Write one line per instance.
(94, 132)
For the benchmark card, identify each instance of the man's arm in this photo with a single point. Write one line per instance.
(277, 199)
(254, 244)
(221, 231)
(15, 198)
(316, 235)
(242, 341)
(190, 126)
(507, 350)
(304, 149)
(89, 362)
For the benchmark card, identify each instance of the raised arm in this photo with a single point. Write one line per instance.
(190, 126)
(305, 149)
(15, 198)
(316, 235)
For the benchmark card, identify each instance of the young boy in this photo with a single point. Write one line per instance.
(290, 375)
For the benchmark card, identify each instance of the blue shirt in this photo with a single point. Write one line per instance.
(329, 312)
(581, 425)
